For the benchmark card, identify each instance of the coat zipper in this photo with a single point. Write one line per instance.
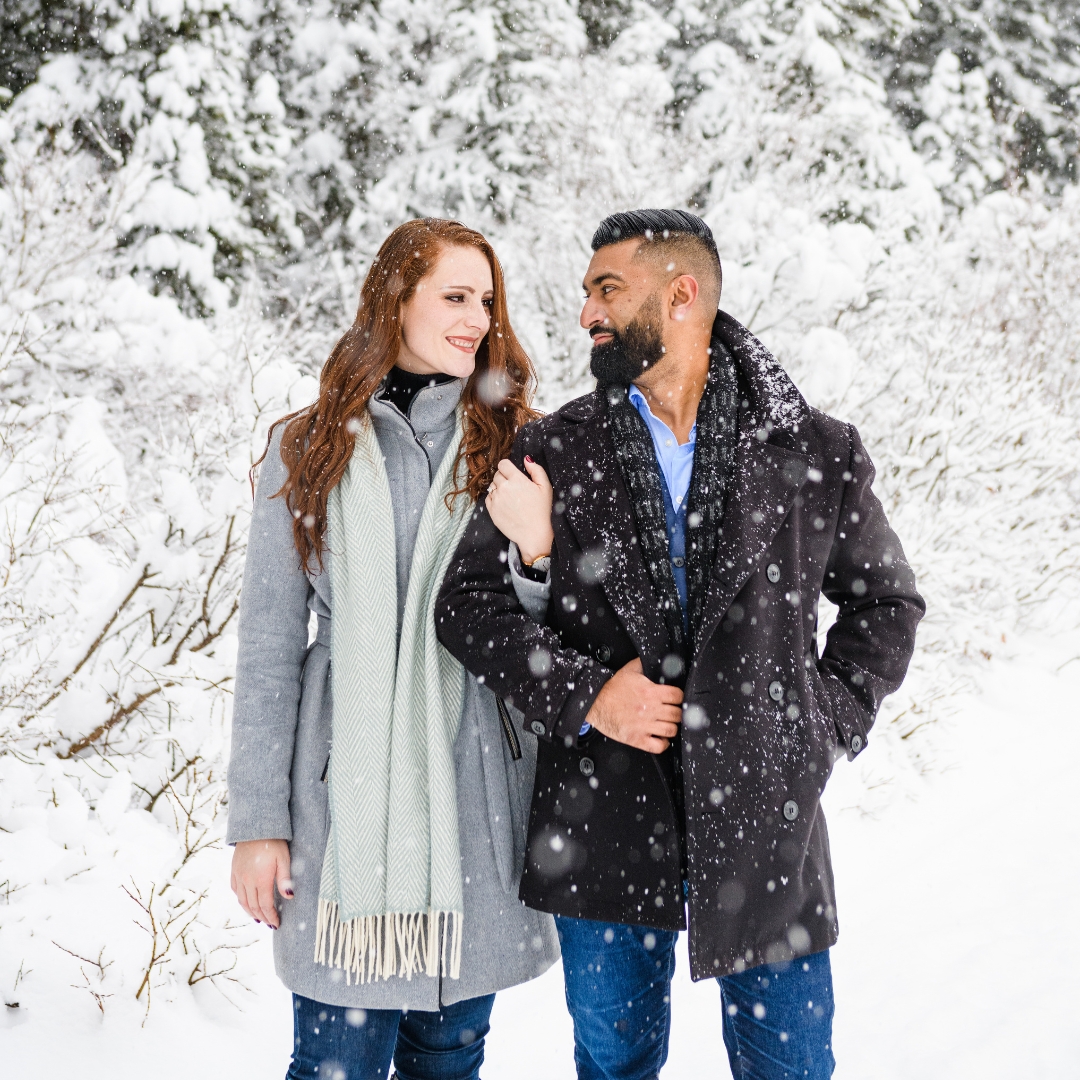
(508, 729)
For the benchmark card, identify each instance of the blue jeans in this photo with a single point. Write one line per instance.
(335, 1043)
(777, 1018)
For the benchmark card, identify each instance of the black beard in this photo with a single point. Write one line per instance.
(630, 351)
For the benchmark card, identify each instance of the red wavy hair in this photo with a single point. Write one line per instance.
(318, 441)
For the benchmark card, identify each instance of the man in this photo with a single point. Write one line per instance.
(686, 722)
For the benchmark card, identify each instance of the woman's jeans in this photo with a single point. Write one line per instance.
(777, 1018)
(335, 1043)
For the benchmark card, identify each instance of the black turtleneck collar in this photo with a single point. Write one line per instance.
(400, 387)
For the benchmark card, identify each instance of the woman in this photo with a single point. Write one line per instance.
(375, 786)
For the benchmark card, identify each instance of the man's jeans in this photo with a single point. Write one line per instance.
(777, 1018)
(335, 1043)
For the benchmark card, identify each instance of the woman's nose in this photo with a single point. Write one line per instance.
(478, 318)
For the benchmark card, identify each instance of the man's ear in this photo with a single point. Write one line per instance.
(682, 293)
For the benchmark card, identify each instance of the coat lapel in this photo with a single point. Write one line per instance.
(601, 517)
(767, 477)
(767, 480)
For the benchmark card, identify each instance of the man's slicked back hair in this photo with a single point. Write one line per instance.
(660, 227)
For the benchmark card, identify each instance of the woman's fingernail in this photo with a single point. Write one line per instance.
(258, 922)
(529, 460)
(288, 893)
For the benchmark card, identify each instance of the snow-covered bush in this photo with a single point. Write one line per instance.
(127, 431)
(961, 364)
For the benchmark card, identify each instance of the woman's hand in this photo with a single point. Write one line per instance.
(520, 506)
(256, 866)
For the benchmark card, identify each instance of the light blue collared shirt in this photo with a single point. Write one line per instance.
(676, 462)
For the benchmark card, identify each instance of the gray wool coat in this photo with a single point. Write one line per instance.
(281, 741)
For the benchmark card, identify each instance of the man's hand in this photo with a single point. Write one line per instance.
(634, 710)
(256, 866)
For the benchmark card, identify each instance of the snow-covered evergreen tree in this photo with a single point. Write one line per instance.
(171, 88)
(990, 90)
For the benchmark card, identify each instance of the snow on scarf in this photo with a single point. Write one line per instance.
(390, 898)
(714, 459)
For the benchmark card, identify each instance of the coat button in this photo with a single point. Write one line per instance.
(537, 727)
(791, 809)
(856, 743)
(586, 766)
(603, 653)
(776, 691)
(772, 572)
(678, 560)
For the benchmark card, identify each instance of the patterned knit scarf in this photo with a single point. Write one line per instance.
(714, 457)
(390, 897)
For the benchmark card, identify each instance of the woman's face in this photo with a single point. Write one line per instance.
(448, 315)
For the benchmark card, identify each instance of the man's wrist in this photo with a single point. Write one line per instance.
(589, 681)
(595, 717)
(598, 720)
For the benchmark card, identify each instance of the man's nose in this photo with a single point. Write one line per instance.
(592, 314)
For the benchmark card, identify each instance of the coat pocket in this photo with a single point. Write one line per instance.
(497, 778)
(513, 742)
(846, 732)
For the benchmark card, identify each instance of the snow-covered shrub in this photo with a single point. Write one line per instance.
(126, 432)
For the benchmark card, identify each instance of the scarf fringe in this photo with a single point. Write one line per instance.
(373, 947)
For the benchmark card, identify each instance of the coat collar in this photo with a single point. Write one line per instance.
(432, 409)
(771, 467)
(582, 409)
(771, 396)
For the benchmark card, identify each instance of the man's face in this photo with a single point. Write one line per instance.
(623, 314)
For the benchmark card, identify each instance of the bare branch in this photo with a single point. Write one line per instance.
(64, 683)
(120, 714)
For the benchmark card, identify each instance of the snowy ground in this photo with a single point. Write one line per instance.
(958, 956)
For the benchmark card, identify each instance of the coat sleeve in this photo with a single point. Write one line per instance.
(481, 621)
(869, 647)
(273, 645)
(532, 595)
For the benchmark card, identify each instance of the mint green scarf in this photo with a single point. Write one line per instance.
(390, 898)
